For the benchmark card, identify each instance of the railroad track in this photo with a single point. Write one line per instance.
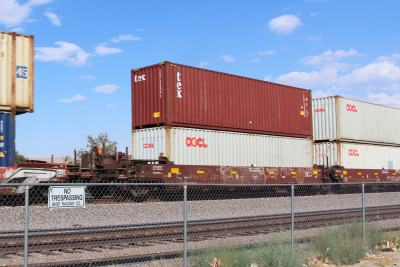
(47, 241)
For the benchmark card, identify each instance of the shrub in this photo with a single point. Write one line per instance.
(229, 255)
(344, 245)
(272, 254)
(277, 253)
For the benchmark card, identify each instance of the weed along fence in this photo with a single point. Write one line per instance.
(198, 225)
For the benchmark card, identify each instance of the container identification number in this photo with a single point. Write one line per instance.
(22, 72)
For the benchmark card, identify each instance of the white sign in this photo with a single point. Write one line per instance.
(66, 197)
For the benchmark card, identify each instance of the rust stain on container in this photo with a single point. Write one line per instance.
(16, 72)
(178, 95)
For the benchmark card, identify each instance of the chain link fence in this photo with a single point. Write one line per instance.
(178, 224)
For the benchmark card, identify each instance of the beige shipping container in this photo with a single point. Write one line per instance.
(357, 156)
(194, 146)
(338, 118)
(16, 72)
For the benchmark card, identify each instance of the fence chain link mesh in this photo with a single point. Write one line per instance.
(145, 223)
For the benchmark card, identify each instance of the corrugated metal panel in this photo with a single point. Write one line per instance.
(324, 118)
(7, 140)
(357, 156)
(189, 146)
(178, 95)
(344, 119)
(16, 72)
(326, 154)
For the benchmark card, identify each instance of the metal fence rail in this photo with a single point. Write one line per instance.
(78, 224)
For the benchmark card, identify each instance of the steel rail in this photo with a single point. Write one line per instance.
(86, 238)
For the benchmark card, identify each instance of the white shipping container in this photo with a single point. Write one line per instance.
(357, 156)
(16, 72)
(187, 146)
(342, 119)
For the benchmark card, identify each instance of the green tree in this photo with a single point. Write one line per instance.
(102, 138)
(20, 158)
(67, 159)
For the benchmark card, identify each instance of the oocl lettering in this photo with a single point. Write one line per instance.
(178, 85)
(148, 145)
(139, 78)
(196, 142)
(353, 153)
(351, 108)
(319, 110)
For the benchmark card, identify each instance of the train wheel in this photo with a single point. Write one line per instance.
(139, 193)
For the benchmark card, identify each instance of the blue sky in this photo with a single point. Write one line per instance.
(84, 51)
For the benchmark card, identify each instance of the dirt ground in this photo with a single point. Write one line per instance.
(376, 259)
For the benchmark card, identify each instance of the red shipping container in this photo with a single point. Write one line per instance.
(178, 95)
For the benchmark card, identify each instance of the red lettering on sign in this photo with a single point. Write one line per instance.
(353, 153)
(351, 108)
(149, 145)
(319, 110)
(196, 142)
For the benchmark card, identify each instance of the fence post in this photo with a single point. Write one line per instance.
(26, 228)
(292, 213)
(363, 210)
(185, 225)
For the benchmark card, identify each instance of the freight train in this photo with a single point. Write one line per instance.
(200, 126)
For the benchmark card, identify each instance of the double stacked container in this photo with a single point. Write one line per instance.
(196, 116)
(7, 139)
(355, 134)
(16, 88)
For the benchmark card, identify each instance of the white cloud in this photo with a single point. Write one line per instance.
(284, 24)
(333, 76)
(12, 13)
(87, 77)
(379, 74)
(266, 53)
(17, 29)
(315, 38)
(267, 78)
(75, 98)
(71, 53)
(393, 58)
(228, 58)
(329, 58)
(384, 99)
(203, 64)
(54, 19)
(309, 79)
(65, 52)
(106, 88)
(110, 106)
(256, 60)
(320, 93)
(125, 37)
(314, 14)
(102, 50)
